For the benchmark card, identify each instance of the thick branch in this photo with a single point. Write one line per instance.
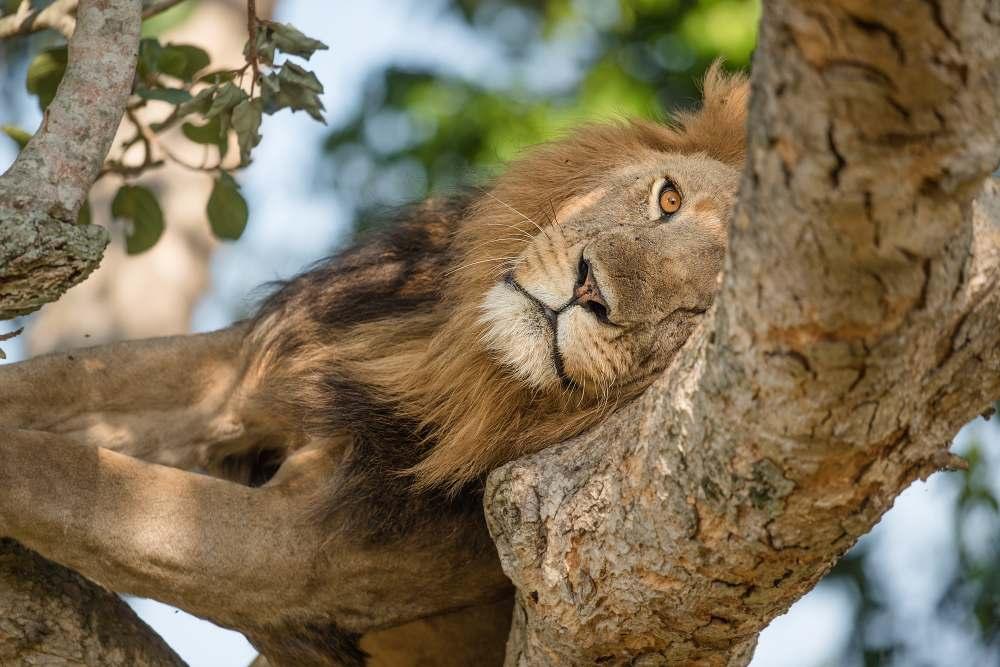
(855, 333)
(49, 615)
(43, 252)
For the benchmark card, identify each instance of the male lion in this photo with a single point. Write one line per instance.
(346, 429)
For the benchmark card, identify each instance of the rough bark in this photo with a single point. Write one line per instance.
(43, 252)
(855, 333)
(51, 616)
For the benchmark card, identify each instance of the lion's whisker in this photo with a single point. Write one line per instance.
(495, 198)
(481, 261)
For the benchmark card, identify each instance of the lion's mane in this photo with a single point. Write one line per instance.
(376, 353)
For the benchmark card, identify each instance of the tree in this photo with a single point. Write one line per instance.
(856, 309)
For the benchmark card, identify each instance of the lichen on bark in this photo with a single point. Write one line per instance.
(43, 252)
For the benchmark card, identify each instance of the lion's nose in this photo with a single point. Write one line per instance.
(587, 293)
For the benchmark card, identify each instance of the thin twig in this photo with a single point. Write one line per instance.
(252, 43)
(8, 336)
(60, 16)
(57, 16)
(150, 140)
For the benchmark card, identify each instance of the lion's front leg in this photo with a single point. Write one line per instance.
(252, 559)
(221, 550)
(159, 399)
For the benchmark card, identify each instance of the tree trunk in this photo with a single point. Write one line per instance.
(855, 333)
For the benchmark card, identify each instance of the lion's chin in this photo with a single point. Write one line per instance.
(519, 336)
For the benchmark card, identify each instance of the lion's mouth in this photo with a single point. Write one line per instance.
(552, 318)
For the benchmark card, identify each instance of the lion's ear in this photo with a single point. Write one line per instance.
(719, 127)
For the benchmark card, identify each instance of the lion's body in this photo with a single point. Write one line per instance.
(380, 387)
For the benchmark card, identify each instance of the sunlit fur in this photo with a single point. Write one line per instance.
(466, 363)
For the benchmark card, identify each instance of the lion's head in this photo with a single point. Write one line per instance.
(575, 280)
(611, 283)
(477, 330)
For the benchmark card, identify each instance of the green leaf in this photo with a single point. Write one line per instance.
(246, 123)
(227, 97)
(17, 134)
(44, 74)
(292, 88)
(169, 19)
(139, 206)
(290, 40)
(265, 47)
(227, 210)
(149, 56)
(210, 133)
(199, 104)
(182, 61)
(171, 95)
(218, 76)
(83, 217)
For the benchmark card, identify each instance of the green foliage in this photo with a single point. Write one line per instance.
(182, 61)
(210, 133)
(169, 19)
(210, 107)
(84, 216)
(419, 132)
(227, 210)
(246, 123)
(44, 74)
(20, 137)
(282, 37)
(138, 206)
(170, 95)
(292, 87)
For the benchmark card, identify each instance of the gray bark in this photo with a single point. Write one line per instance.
(43, 252)
(52, 616)
(855, 333)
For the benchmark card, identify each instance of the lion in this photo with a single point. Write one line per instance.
(313, 476)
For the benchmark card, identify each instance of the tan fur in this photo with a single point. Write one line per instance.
(435, 366)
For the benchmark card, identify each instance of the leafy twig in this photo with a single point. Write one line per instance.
(252, 58)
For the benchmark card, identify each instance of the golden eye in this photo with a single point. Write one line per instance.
(670, 198)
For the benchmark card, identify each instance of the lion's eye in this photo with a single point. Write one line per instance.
(670, 198)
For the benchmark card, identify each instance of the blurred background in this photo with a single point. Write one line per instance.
(422, 95)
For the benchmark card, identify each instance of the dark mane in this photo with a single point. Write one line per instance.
(384, 274)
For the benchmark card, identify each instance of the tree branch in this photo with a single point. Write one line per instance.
(43, 252)
(60, 16)
(854, 334)
(57, 16)
(50, 615)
